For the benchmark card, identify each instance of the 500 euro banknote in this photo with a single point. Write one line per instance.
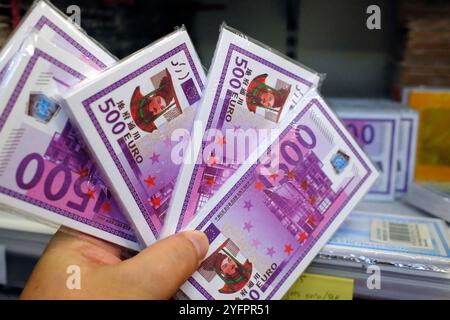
(127, 116)
(250, 88)
(45, 170)
(271, 218)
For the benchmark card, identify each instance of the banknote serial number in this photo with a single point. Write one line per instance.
(226, 309)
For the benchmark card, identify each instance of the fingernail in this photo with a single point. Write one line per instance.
(200, 242)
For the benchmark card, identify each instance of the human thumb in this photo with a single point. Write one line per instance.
(158, 271)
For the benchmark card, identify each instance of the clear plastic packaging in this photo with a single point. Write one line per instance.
(250, 86)
(407, 244)
(128, 115)
(49, 22)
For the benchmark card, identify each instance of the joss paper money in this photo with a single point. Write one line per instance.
(45, 170)
(407, 140)
(271, 218)
(376, 129)
(128, 115)
(50, 23)
(250, 87)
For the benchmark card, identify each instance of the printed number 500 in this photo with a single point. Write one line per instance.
(62, 189)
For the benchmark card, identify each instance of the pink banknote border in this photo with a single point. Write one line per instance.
(207, 219)
(4, 117)
(86, 103)
(253, 56)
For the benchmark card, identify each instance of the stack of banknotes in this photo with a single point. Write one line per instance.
(387, 132)
(5, 28)
(404, 242)
(433, 143)
(410, 249)
(136, 150)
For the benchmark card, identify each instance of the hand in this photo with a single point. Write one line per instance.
(155, 273)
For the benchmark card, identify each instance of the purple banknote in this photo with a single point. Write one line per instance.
(271, 218)
(45, 170)
(128, 116)
(250, 87)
